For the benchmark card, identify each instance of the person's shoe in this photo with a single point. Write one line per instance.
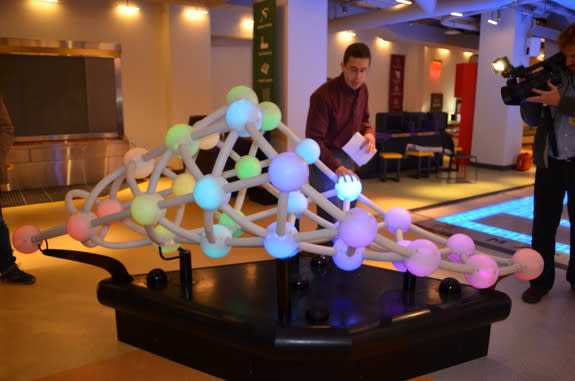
(534, 294)
(17, 276)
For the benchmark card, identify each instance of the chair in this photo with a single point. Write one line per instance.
(457, 160)
(420, 155)
(384, 157)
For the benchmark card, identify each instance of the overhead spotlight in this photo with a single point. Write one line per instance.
(406, 2)
(494, 18)
(456, 14)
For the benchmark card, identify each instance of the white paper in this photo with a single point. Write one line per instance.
(355, 148)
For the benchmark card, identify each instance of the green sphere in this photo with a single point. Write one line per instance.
(271, 115)
(229, 223)
(241, 92)
(145, 209)
(181, 134)
(248, 166)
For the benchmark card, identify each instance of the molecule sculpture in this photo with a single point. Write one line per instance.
(359, 233)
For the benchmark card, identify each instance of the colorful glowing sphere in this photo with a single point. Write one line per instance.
(180, 134)
(309, 150)
(343, 260)
(219, 248)
(241, 92)
(460, 245)
(183, 184)
(229, 223)
(281, 247)
(288, 171)
(107, 207)
(400, 265)
(297, 203)
(166, 237)
(22, 239)
(143, 168)
(348, 188)
(485, 271)
(209, 142)
(248, 166)
(358, 228)
(397, 218)
(424, 259)
(145, 209)
(271, 115)
(209, 192)
(79, 226)
(531, 263)
(242, 112)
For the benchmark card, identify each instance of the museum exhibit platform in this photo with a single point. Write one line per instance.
(300, 318)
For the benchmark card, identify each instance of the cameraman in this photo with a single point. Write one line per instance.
(553, 112)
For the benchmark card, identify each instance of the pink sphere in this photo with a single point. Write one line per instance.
(108, 207)
(22, 239)
(79, 226)
(288, 171)
(531, 263)
(143, 167)
(485, 273)
(460, 244)
(358, 228)
(424, 259)
(397, 218)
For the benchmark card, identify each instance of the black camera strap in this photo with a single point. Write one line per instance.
(548, 124)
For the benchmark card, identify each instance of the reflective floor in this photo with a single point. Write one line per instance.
(56, 330)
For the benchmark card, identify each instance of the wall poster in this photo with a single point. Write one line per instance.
(396, 79)
(264, 65)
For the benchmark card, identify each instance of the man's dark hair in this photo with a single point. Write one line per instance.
(357, 50)
(567, 37)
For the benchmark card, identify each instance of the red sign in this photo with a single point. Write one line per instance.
(396, 75)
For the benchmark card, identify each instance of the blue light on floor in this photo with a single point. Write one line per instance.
(522, 207)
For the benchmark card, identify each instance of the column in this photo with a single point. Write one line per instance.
(498, 128)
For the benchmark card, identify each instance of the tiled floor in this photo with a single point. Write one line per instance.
(56, 330)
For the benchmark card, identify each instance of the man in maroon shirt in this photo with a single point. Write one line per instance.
(338, 109)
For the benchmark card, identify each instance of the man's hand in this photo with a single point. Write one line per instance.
(549, 97)
(369, 143)
(342, 171)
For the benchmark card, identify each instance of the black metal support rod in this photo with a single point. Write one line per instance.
(282, 289)
(408, 281)
(186, 272)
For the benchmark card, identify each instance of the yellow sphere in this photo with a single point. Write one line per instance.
(183, 184)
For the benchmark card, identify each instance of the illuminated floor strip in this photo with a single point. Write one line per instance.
(522, 207)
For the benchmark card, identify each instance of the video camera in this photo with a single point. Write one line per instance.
(534, 77)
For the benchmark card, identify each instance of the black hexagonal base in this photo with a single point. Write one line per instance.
(344, 326)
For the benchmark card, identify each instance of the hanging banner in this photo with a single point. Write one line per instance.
(264, 67)
(396, 79)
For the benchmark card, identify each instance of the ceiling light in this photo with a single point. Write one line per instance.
(406, 2)
(127, 8)
(456, 14)
(197, 11)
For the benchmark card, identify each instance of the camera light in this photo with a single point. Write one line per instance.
(500, 65)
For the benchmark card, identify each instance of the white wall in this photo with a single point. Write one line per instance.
(165, 57)
(303, 58)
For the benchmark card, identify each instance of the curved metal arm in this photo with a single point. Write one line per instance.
(116, 269)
